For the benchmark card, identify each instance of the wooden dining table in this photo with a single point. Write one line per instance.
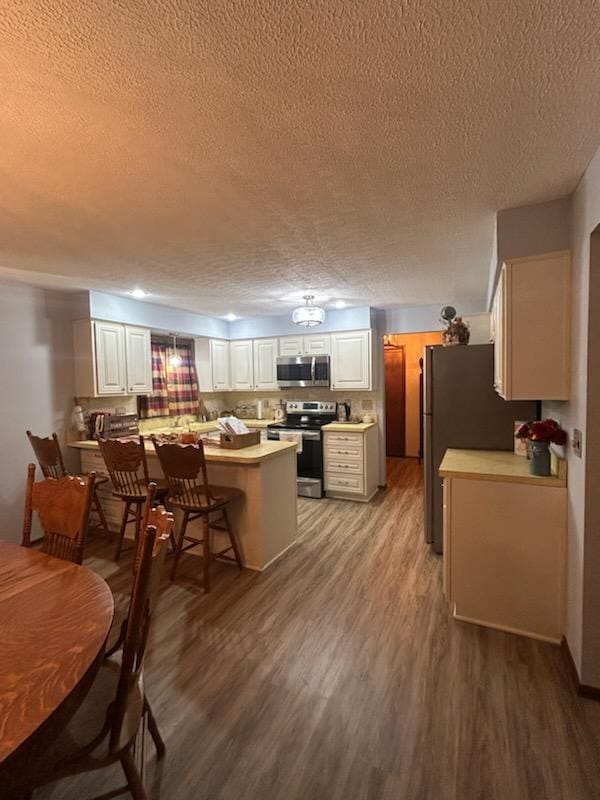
(55, 617)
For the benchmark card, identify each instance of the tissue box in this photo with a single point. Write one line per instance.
(235, 441)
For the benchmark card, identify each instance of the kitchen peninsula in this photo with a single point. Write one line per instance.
(265, 520)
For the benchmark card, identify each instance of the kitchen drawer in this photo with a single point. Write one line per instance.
(93, 461)
(335, 482)
(355, 439)
(333, 464)
(343, 452)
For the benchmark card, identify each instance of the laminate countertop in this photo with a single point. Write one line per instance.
(346, 427)
(246, 456)
(203, 427)
(499, 465)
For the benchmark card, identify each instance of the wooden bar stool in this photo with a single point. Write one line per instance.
(185, 470)
(49, 455)
(128, 469)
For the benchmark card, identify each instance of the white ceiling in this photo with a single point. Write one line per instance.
(226, 156)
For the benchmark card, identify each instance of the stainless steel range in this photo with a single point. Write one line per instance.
(305, 418)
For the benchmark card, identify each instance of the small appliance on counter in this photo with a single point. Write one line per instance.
(113, 426)
(305, 419)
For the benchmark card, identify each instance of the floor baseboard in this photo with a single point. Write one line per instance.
(591, 692)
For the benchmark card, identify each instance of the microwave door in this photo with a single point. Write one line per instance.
(294, 371)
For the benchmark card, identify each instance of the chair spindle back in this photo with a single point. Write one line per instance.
(63, 508)
(184, 467)
(48, 453)
(146, 583)
(127, 466)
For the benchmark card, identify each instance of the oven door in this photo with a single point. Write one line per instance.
(293, 371)
(309, 461)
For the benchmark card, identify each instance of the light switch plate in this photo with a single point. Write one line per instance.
(576, 442)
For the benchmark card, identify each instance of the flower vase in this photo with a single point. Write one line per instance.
(540, 458)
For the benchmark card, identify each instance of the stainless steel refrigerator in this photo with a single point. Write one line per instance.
(461, 409)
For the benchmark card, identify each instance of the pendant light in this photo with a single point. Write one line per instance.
(175, 360)
(308, 315)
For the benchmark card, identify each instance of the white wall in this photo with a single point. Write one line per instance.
(585, 216)
(36, 364)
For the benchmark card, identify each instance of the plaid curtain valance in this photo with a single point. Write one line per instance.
(175, 389)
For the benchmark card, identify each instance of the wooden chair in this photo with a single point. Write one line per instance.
(63, 507)
(49, 455)
(185, 470)
(128, 469)
(104, 728)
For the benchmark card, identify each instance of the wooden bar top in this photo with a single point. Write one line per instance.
(499, 465)
(245, 457)
(54, 620)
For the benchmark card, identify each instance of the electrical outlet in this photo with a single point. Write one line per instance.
(576, 442)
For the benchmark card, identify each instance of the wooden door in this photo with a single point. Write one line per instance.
(317, 344)
(290, 346)
(395, 401)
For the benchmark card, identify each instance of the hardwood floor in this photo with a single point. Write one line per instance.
(338, 675)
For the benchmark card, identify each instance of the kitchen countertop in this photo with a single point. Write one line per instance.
(359, 427)
(205, 427)
(499, 465)
(246, 456)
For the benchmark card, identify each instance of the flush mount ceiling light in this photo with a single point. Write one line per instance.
(230, 317)
(309, 314)
(138, 293)
(175, 360)
(339, 304)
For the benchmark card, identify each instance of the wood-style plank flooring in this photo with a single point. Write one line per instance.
(338, 675)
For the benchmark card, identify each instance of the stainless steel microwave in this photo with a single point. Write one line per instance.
(302, 371)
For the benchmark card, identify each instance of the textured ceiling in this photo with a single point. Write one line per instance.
(228, 155)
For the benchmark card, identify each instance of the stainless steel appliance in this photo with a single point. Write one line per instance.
(302, 371)
(461, 409)
(306, 418)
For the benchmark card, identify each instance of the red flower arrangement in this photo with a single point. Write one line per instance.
(543, 430)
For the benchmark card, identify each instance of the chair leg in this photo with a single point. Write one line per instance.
(179, 544)
(154, 732)
(233, 540)
(100, 511)
(121, 533)
(135, 785)
(206, 552)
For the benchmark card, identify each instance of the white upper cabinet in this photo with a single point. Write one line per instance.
(532, 328)
(351, 364)
(265, 369)
(110, 358)
(219, 357)
(138, 358)
(317, 344)
(242, 365)
(291, 346)
(212, 365)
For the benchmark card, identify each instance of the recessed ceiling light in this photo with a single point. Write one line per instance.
(138, 293)
(230, 317)
(339, 304)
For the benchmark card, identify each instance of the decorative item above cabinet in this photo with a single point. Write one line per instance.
(531, 328)
(111, 359)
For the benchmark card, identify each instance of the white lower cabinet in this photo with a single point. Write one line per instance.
(351, 361)
(351, 462)
(504, 555)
